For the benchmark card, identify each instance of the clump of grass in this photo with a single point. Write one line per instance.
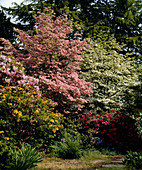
(107, 151)
(23, 158)
(93, 155)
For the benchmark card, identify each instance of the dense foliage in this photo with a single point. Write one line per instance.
(23, 158)
(51, 60)
(51, 69)
(112, 130)
(26, 117)
(6, 27)
(112, 75)
(70, 147)
(133, 160)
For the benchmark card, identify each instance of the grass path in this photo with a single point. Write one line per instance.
(91, 161)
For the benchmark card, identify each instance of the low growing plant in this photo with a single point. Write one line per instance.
(23, 158)
(92, 154)
(70, 147)
(108, 151)
(133, 160)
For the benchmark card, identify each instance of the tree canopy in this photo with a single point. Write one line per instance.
(51, 61)
(112, 75)
(121, 17)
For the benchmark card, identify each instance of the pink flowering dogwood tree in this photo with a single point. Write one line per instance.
(51, 60)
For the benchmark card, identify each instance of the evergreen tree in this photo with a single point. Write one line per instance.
(122, 17)
(6, 27)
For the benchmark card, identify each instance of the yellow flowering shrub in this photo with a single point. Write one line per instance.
(27, 117)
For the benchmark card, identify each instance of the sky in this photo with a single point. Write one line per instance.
(8, 3)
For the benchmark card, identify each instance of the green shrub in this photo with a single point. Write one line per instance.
(4, 151)
(70, 147)
(133, 160)
(73, 126)
(23, 158)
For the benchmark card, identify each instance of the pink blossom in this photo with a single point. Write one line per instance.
(105, 123)
(52, 62)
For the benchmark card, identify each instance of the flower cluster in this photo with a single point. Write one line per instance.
(27, 117)
(93, 122)
(114, 130)
(51, 61)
